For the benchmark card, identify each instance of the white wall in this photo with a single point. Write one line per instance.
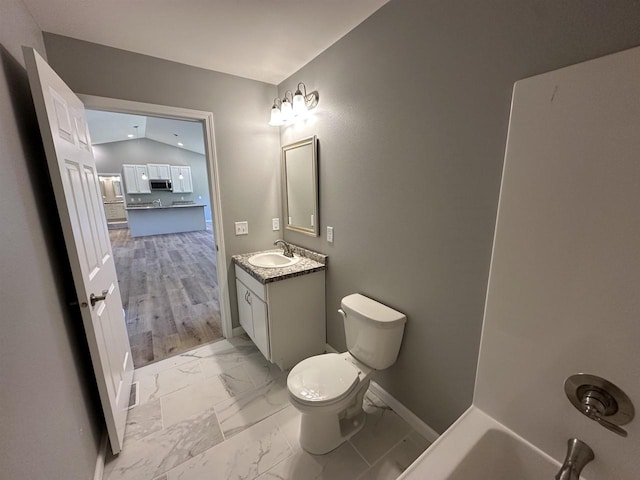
(49, 417)
(564, 290)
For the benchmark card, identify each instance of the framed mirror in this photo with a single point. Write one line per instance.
(300, 186)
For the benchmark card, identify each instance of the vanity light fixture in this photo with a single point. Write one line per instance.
(293, 106)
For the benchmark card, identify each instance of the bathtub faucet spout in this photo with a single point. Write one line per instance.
(578, 455)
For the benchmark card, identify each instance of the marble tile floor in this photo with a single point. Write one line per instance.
(221, 411)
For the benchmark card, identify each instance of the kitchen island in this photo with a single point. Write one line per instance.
(149, 219)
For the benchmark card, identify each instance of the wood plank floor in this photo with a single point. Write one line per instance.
(169, 291)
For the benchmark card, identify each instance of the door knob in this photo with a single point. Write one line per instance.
(95, 299)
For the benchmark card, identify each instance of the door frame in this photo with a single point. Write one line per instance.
(206, 118)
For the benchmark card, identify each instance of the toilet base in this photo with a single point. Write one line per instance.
(322, 433)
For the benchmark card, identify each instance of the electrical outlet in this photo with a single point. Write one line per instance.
(275, 223)
(330, 234)
(242, 228)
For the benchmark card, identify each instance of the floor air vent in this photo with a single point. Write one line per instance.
(133, 396)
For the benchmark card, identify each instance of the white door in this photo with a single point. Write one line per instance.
(73, 173)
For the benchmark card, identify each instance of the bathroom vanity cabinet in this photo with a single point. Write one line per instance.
(284, 318)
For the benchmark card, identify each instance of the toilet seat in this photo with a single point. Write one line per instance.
(322, 379)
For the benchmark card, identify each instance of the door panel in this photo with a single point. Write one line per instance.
(75, 183)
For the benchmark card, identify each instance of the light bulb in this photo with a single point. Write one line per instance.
(299, 106)
(287, 110)
(276, 117)
(144, 176)
(181, 177)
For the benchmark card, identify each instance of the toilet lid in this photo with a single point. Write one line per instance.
(322, 379)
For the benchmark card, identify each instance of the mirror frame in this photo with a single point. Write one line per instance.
(315, 230)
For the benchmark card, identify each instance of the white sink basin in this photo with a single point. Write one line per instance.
(478, 447)
(272, 260)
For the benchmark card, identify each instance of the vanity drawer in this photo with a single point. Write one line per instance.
(254, 285)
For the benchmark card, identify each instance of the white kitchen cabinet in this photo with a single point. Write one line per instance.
(285, 318)
(159, 171)
(181, 179)
(136, 178)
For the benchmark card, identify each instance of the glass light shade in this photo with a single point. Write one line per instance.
(276, 117)
(299, 106)
(287, 110)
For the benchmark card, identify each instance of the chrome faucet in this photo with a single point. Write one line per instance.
(288, 251)
(578, 455)
(157, 203)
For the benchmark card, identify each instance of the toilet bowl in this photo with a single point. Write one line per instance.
(329, 389)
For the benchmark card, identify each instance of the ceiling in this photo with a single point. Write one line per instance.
(106, 127)
(266, 40)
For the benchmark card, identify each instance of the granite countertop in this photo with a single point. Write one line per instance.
(154, 207)
(309, 262)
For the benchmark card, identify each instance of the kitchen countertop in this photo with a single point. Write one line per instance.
(309, 262)
(154, 207)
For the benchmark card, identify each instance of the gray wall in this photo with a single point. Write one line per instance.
(246, 146)
(50, 424)
(111, 156)
(412, 122)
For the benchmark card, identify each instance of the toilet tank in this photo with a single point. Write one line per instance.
(373, 330)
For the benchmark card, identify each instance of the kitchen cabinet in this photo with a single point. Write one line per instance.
(181, 179)
(159, 171)
(284, 318)
(136, 178)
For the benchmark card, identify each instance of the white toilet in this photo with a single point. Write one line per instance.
(329, 389)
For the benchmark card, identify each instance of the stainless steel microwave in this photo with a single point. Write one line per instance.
(161, 185)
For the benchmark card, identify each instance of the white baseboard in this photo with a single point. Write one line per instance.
(237, 331)
(102, 455)
(407, 415)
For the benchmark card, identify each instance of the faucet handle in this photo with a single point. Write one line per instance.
(600, 400)
(594, 414)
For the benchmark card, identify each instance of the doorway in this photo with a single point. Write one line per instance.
(168, 251)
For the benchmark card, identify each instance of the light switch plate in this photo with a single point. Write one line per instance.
(275, 222)
(330, 234)
(242, 228)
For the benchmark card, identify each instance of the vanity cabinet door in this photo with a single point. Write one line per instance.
(260, 324)
(244, 308)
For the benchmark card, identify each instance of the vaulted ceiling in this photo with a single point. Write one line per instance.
(266, 40)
